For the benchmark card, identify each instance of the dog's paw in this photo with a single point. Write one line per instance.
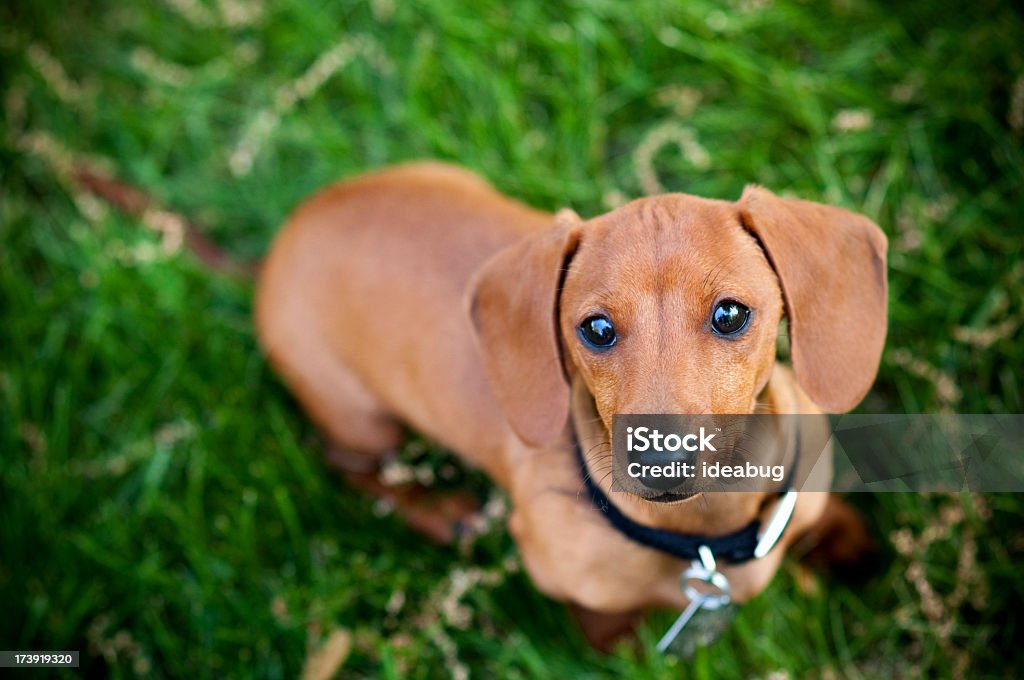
(840, 542)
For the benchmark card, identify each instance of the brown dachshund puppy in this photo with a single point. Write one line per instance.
(419, 296)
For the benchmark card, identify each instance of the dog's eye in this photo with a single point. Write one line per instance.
(729, 317)
(598, 331)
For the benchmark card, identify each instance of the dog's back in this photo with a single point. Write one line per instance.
(360, 304)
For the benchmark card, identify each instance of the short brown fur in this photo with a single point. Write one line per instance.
(419, 296)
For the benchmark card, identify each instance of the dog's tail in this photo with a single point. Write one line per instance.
(136, 202)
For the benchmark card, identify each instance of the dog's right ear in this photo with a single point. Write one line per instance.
(513, 303)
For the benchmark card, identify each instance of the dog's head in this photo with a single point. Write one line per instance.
(672, 304)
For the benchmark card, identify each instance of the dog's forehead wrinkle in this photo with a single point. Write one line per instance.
(646, 286)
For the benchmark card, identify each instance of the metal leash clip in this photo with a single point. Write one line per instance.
(709, 593)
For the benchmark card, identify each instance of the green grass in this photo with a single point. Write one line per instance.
(163, 504)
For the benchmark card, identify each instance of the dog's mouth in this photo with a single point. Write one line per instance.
(671, 497)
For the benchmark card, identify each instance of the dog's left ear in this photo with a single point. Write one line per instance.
(513, 303)
(831, 265)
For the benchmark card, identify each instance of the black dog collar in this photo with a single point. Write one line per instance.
(740, 546)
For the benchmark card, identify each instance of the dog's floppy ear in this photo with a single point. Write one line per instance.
(513, 302)
(831, 264)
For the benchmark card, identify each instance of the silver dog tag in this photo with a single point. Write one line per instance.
(703, 626)
(709, 613)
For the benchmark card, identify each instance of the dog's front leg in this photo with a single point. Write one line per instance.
(602, 629)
